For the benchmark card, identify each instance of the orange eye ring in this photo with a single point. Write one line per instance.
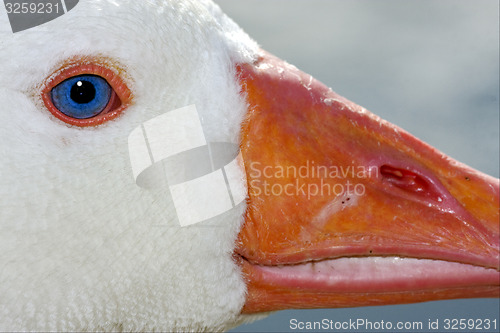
(119, 101)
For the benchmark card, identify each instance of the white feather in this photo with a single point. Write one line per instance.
(81, 246)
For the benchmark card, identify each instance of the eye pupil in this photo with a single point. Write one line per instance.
(83, 92)
(82, 97)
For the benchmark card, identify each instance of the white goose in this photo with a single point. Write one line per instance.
(82, 247)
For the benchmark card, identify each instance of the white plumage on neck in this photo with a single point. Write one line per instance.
(81, 246)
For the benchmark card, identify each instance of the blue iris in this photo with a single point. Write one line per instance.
(82, 97)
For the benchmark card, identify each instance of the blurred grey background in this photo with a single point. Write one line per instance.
(429, 66)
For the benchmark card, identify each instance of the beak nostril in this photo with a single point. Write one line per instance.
(410, 181)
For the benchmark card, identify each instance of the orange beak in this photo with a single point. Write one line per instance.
(346, 209)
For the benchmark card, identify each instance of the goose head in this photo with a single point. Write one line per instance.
(83, 247)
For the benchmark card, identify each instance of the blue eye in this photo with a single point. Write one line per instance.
(82, 97)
